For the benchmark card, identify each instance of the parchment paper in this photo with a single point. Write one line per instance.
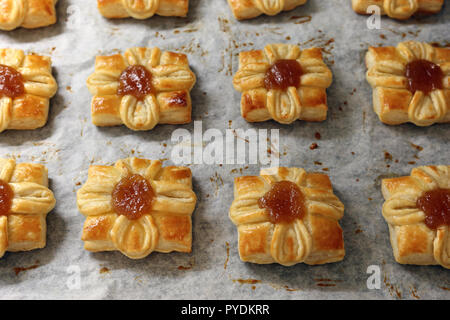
(352, 147)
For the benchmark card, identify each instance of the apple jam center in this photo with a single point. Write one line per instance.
(285, 202)
(133, 197)
(135, 80)
(11, 82)
(423, 75)
(6, 196)
(436, 205)
(283, 74)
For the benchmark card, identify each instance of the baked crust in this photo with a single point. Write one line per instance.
(24, 227)
(172, 81)
(142, 9)
(247, 9)
(412, 241)
(166, 228)
(392, 101)
(28, 14)
(399, 9)
(308, 102)
(30, 110)
(315, 239)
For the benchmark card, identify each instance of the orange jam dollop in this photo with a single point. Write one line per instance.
(133, 197)
(436, 205)
(135, 80)
(6, 197)
(283, 74)
(285, 202)
(423, 75)
(11, 82)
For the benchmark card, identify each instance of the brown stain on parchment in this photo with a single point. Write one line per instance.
(393, 290)
(227, 246)
(189, 266)
(18, 270)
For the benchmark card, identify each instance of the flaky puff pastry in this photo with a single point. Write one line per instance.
(307, 102)
(392, 101)
(247, 9)
(315, 239)
(24, 228)
(170, 101)
(167, 227)
(28, 14)
(30, 110)
(398, 9)
(142, 9)
(412, 241)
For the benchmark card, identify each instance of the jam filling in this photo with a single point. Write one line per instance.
(436, 205)
(423, 75)
(135, 80)
(11, 82)
(284, 202)
(283, 74)
(133, 197)
(6, 197)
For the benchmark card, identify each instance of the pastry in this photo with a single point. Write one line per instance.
(26, 85)
(411, 83)
(287, 216)
(141, 88)
(142, 9)
(247, 9)
(283, 83)
(137, 207)
(398, 9)
(417, 211)
(28, 14)
(25, 201)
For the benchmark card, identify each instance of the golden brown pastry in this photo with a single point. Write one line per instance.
(417, 210)
(283, 83)
(137, 207)
(399, 9)
(411, 83)
(287, 216)
(25, 201)
(28, 14)
(247, 9)
(141, 88)
(142, 9)
(26, 85)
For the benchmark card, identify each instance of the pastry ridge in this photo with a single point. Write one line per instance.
(248, 9)
(169, 104)
(392, 101)
(412, 241)
(168, 227)
(28, 14)
(308, 102)
(30, 110)
(142, 9)
(399, 9)
(24, 227)
(315, 239)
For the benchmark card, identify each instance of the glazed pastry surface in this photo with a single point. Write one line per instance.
(393, 101)
(413, 242)
(28, 14)
(306, 101)
(247, 9)
(23, 227)
(142, 9)
(166, 227)
(168, 101)
(29, 110)
(315, 238)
